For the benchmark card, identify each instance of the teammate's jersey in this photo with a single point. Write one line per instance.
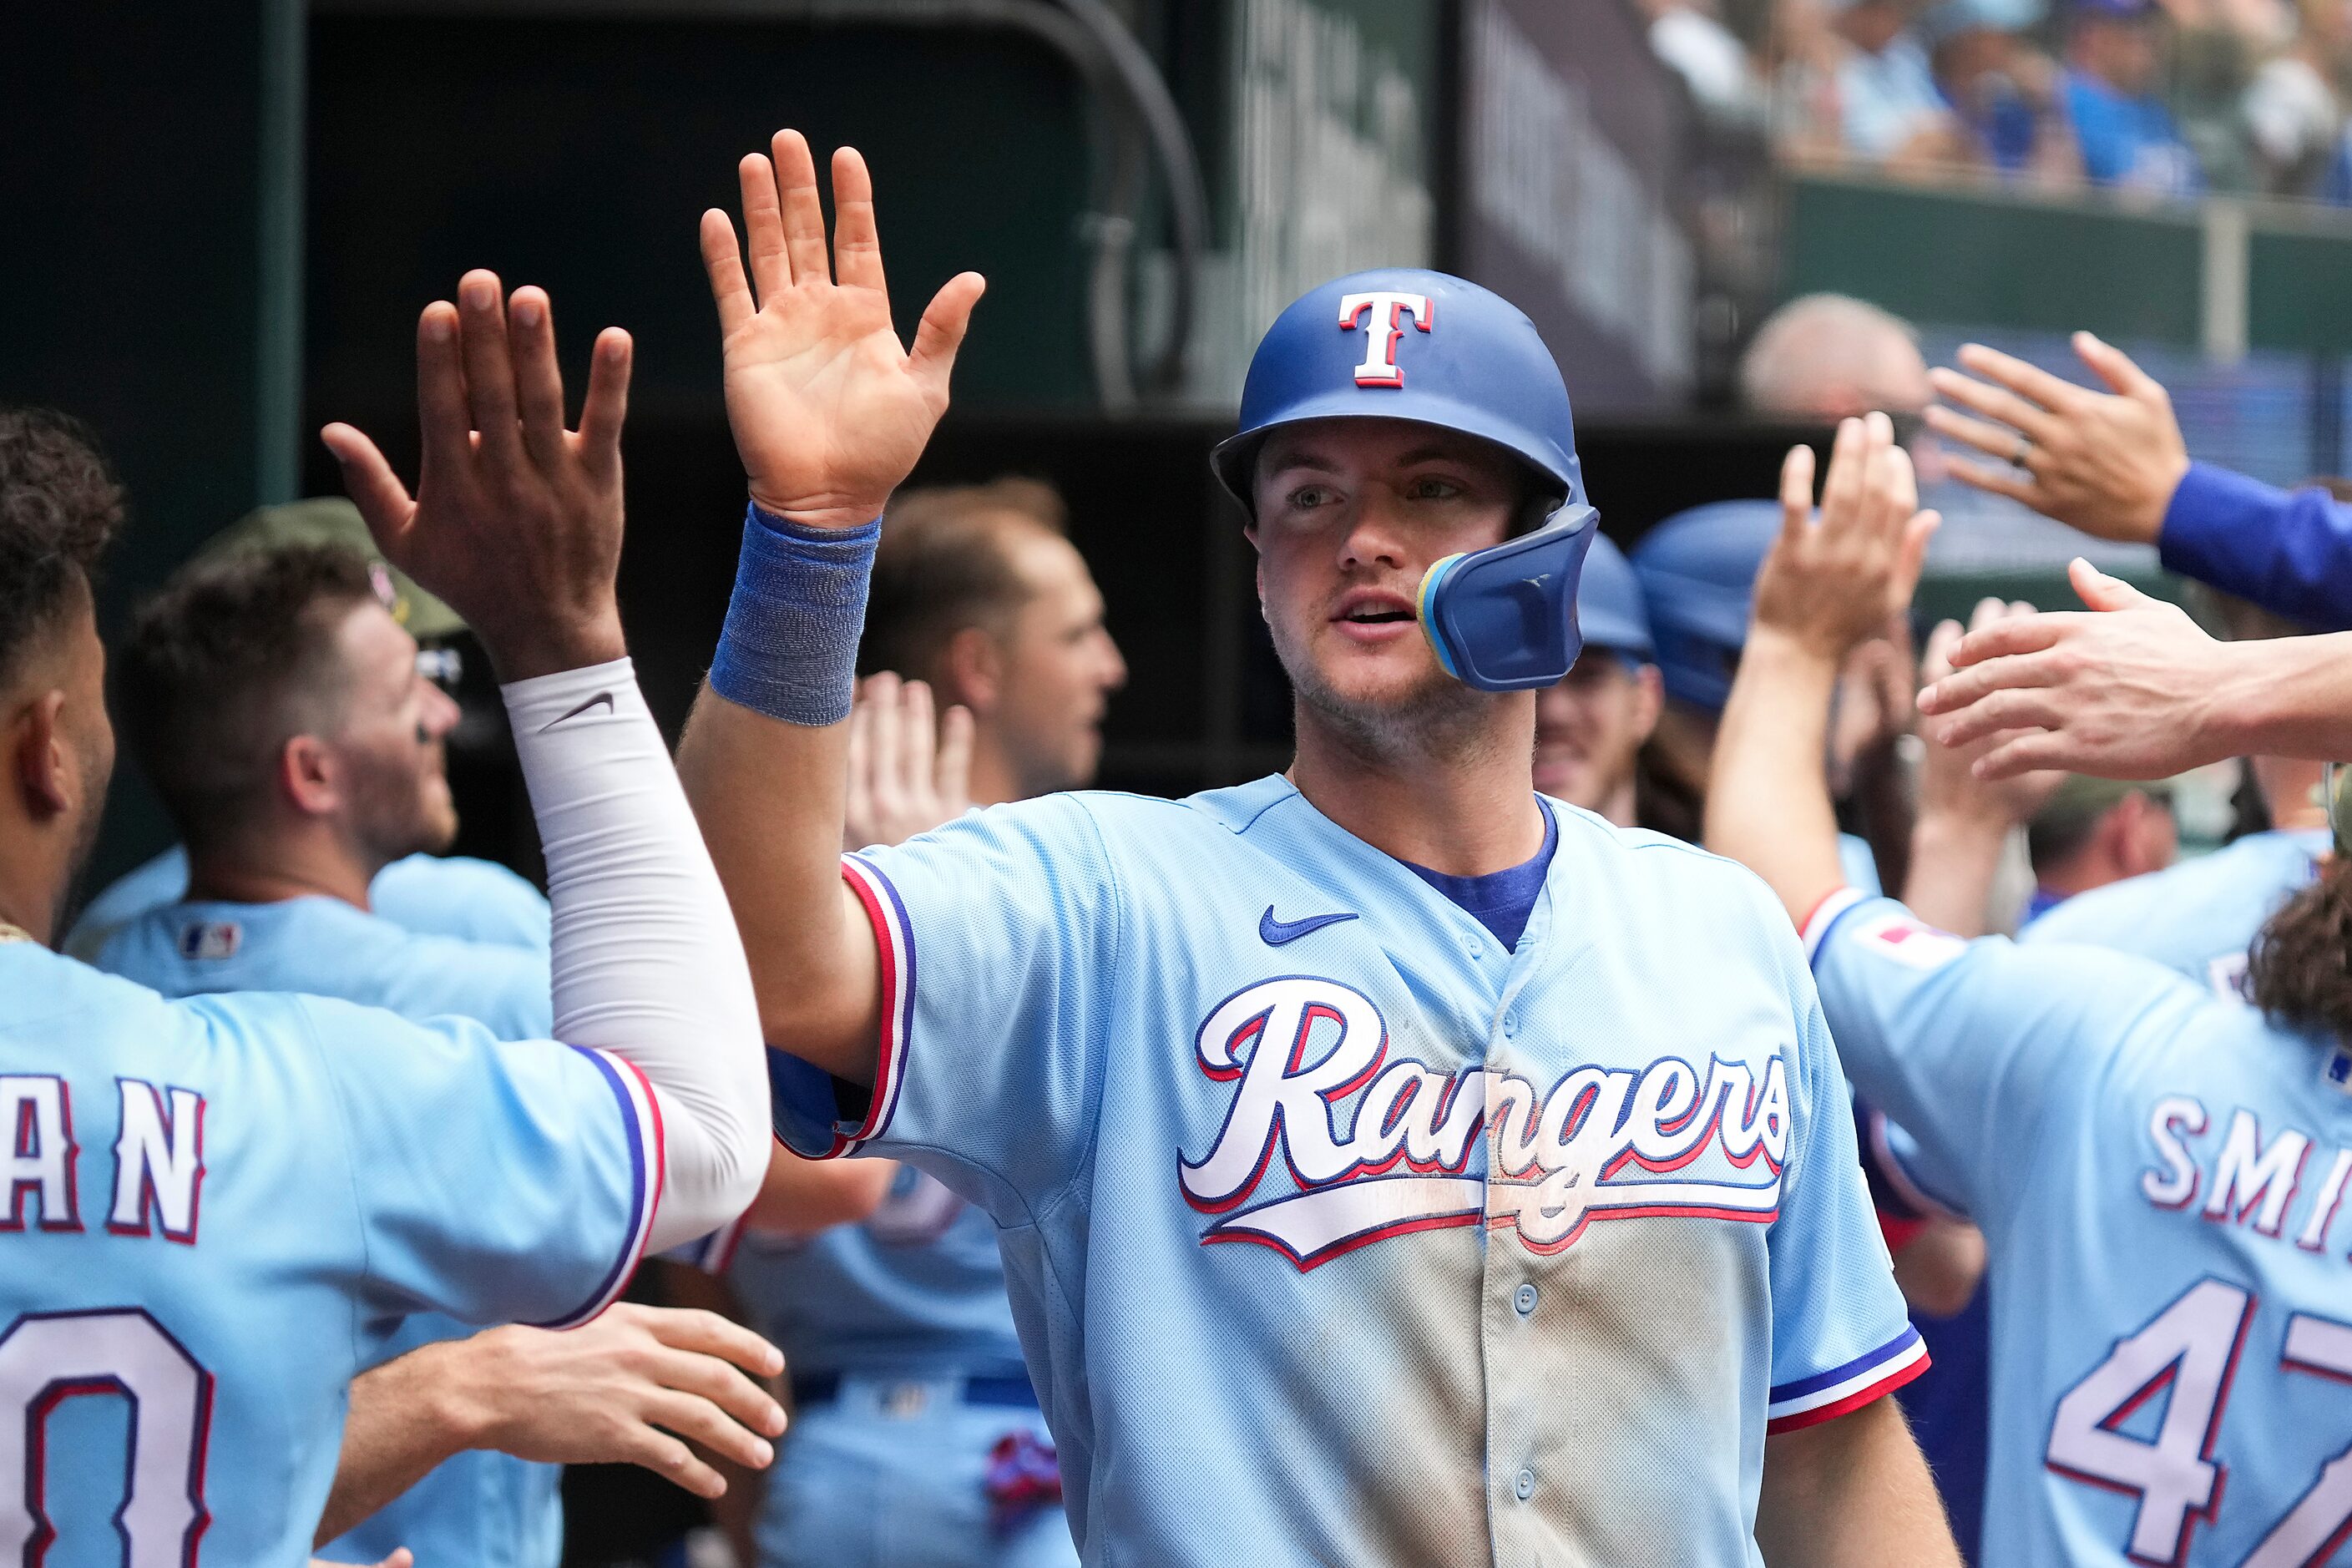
(2198, 917)
(482, 1509)
(916, 1290)
(2159, 1174)
(437, 895)
(216, 1211)
(324, 947)
(1334, 1232)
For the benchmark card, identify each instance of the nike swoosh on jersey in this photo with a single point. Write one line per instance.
(1275, 932)
(604, 697)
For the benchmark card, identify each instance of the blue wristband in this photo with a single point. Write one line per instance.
(790, 646)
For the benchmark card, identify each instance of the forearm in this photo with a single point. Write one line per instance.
(646, 961)
(2289, 552)
(1954, 862)
(1852, 1492)
(768, 795)
(2288, 697)
(1767, 798)
(803, 1197)
(403, 1421)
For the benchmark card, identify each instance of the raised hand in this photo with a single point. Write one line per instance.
(2105, 462)
(907, 774)
(829, 412)
(516, 521)
(1832, 584)
(1948, 784)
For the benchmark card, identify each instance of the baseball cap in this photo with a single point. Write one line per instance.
(1697, 572)
(332, 520)
(1609, 608)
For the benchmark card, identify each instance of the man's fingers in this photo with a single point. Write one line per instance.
(667, 1458)
(1796, 491)
(763, 225)
(2008, 708)
(1935, 659)
(1994, 402)
(443, 418)
(689, 1329)
(722, 260)
(803, 211)
(955, 758)
(2031, 382)
(538, 385)
(708, 1377)
(2028, 751)
(2115, 367)
(2103, 593)
(697, 1420)
(1911, 558)
(918, 740)
(1994, 440)
(606, 407)
(882, 734)
(1849, 462)
(857, 243)
(489, 366)
(2001, 481)
(945, 322)
(2014, 638)
(373, 488)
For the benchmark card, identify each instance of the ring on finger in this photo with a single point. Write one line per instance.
(2023, 450)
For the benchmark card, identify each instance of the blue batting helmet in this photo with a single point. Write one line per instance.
(1609, 608)
(1408, 344)
(1698, 571)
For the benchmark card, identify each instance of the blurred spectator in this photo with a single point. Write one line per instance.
(2115, 56)
(2294, 107)
(1591, 727)
(2005, 93)
(1889, 108)
(2092, 832)
(1692, 39)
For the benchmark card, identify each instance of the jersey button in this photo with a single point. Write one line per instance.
(1526, 1485)
(1510, 1024)
(1524, 1299)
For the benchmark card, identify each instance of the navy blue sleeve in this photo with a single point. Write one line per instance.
(2289, 552)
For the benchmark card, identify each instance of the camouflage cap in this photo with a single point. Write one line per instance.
(332, 520)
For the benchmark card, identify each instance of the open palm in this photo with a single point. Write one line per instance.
(829, 412)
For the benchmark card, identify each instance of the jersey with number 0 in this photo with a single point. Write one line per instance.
(214, 1213)
(2159, 1174)
(2198, 917)
(435, 895)
(1338, 1233)
(480, 1507)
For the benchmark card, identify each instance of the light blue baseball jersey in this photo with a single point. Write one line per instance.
(217, 1211)
(1337, 1233)
(478, 1508)
(2198, 917)
(2158, 1172)
(438, 895)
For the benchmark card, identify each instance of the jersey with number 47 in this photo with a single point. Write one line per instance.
(214, 1212)
(2160, 1176)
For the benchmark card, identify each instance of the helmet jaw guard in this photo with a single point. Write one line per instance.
(1503, 618)
(1424, 347)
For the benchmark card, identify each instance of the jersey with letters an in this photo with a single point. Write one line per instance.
(2197, 917)
(435, 895)
(214, 1213)
(1337, 1233)
(2159, 1174)
(480, 1507)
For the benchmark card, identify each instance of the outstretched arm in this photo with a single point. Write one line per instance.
(625, 1389)
(829, 414)
(1851, 1493)
(2135, 690)
(517, 522)
(1826, 587)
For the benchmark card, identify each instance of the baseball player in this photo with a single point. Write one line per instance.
(2157, 1171)
(1591, 727)
(918, 1437)
(1361, 1196)
(218, 1210)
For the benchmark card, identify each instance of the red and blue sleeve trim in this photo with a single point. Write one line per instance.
(641, 1121)
(1825, 1395)
(894, 946)
(1815, 928)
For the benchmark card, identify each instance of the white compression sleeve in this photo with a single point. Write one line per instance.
(648, 961)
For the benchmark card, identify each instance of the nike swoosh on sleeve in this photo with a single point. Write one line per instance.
(604, 697)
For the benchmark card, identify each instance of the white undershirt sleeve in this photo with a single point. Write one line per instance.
(647, 963)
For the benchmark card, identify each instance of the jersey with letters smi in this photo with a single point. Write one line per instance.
(2159, 1174)
(1338, 1233)
(2197, 917)
(214, 1213)
(480, 1507)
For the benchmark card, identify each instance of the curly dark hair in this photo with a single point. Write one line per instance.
(59, 508)
(226, 664)
(2300, 969)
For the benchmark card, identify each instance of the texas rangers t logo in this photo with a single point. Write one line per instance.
(1381, 334)
(1601, 1143)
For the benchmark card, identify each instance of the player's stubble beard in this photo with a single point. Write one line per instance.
(401, 811)
(1436, 716)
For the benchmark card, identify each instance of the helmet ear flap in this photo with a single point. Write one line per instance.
(1504, 619)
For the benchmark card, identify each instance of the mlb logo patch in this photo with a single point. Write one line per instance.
(1906, 940)
(202, 940)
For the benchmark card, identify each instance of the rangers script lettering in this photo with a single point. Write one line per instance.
(1560, 1156)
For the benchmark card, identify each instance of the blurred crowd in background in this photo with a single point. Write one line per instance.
(2162, 98)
